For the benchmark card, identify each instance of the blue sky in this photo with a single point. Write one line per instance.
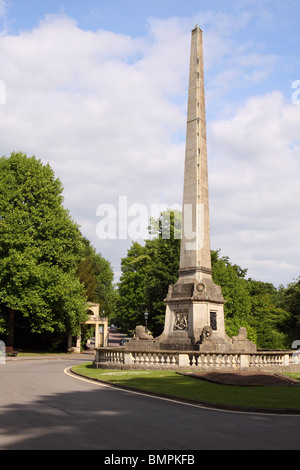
(130, 16)
(99, 89)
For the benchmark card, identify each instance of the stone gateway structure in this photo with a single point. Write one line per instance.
(101, 329)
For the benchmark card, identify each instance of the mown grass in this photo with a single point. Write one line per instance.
(40, 353)
(172, 384)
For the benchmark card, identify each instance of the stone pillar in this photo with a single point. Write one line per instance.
(69, 343)
(195, 244)
(77, 348)
(128, 358)
(97, 335)
(105, 334)
(194, 302)
(183, 360)
(244, 361)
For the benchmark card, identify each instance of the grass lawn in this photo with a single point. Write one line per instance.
(178, 386)
(40, 353)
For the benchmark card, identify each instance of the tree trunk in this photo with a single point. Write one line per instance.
(10, 330)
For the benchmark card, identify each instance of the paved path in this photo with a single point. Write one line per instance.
(114, 338)
(41, 407)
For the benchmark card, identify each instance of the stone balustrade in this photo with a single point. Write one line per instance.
(122, 359)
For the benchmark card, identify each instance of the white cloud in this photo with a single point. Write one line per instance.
(107, 111)
(255, 187)
(97, 106)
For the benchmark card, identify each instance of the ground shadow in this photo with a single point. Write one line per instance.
(103, 418)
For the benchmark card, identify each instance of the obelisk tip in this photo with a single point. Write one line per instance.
(196, 28)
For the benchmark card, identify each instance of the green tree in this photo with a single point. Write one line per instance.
(269, 315)
(231, 278)
(86, 272)
(163, 254)
(40, 247)
(147, 272)
(96, 274)
(271, 322)
(131, 303)
(289, 300)
(252, 304)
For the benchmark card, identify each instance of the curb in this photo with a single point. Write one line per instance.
(212, 406)
(47, 358)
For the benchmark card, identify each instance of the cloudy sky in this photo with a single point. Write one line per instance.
(99, 90)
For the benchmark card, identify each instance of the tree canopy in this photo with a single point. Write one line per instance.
(96, 274)
(271, 315)
(147, 272)
(40, 248)
(48, 270)
(252, 304)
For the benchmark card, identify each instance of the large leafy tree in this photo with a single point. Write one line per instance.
(147, 272)
(96, 274)
(271, 321)
(289, 300)
(231, 278)
(131, 301)
(252, 304)
(40, 247)
(163, 252)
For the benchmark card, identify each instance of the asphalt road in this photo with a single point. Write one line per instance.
(41, 408)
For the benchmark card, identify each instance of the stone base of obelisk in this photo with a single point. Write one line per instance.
(142, 341)
(190, 338)
(230, 345)
(195, 320)
(191, 304)
(176, 341)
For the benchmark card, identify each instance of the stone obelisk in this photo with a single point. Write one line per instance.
(195, 304)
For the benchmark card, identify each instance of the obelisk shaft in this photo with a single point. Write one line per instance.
(195, 304)
(195, 260)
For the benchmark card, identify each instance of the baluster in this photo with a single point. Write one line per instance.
(224, 359)
(200, 360)
(191, 357)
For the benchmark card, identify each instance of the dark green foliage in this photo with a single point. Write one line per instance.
(40, 247)
(96, 274)
(271, 316)
(252, 304)
(147, 272)
(289, 300)
(131, 302)
(270, 321)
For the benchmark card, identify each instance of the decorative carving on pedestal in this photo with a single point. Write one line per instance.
(241, 343)
(181, 320)
(206, 334)
(140, 334)
(141, 340)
